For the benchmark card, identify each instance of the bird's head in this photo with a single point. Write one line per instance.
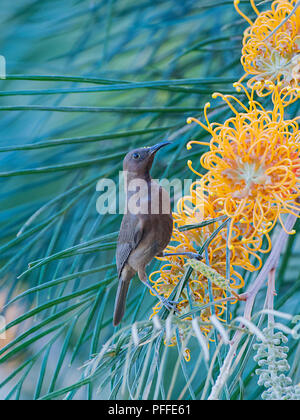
(139, 161)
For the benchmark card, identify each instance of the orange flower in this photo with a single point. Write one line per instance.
(270, 53)
(194, 209)
(253, 166)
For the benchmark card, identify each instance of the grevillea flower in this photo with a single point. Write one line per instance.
(271, 49)
(253, 166)
(201, 288)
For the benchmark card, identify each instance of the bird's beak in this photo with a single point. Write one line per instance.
(156, 147)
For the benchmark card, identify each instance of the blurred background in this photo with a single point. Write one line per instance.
(86, 82)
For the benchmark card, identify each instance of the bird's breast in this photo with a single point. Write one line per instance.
(156, 237)
(157, 221)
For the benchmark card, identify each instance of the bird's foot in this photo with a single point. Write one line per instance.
(169, 304)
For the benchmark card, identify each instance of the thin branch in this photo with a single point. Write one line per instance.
(283, 22)
(250, 295)
(270, 296)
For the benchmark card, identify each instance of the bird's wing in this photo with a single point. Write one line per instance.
(130, 235)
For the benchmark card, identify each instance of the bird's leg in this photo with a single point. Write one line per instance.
(169, 304)
(191, 255)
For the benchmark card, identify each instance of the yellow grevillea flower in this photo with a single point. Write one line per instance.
(271, 53)
(194, 209)
(253, 166)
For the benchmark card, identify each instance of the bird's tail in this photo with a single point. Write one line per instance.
(120, 301)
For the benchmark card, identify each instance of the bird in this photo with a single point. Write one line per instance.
(146, 227)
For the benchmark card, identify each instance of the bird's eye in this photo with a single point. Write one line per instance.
(136, 155)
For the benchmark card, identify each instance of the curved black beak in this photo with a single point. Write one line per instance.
(156, 147)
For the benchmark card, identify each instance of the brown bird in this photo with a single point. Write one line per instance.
(146, 227)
